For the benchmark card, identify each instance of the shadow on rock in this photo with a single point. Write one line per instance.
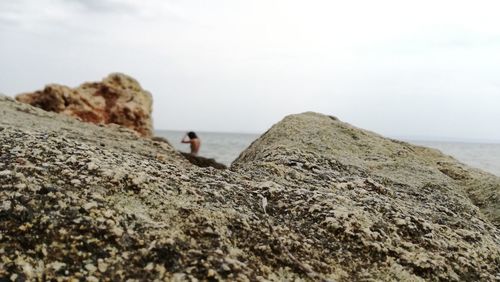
(203, 162)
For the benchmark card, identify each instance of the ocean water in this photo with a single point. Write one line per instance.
(226, 147)
(480, 155)
(223, 147)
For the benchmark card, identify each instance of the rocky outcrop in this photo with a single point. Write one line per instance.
(117, 99)
(352, 186)
(313, 142)
(313, 199)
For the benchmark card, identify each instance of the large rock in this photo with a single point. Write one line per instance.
(319, 146)
(117, 99)
(313, 199)
(377, 207)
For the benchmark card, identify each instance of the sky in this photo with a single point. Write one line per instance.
(410, 69)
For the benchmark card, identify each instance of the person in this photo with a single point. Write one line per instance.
(192, 138)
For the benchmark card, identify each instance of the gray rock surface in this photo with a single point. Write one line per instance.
(312, 199)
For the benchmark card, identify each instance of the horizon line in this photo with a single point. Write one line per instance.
(398, 137)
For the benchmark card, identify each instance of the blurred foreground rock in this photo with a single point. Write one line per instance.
(313, 199)
(117, 99)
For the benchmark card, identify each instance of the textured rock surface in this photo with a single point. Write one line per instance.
(202, 161)
(118, 99)
(312, 199)
(317, 140)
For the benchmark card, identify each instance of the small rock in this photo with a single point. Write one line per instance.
(149, 267)
(117, 231)
(6, 205)
(102, 266)
(160, 269)
(97, 196)
(139, 179)
(28, 270)
(400, 222)
(57, 265)
(211, 273)
(89, 206)
(226, 267)
(108, 213)
(92, 166)
(91, 268)
(20, 186)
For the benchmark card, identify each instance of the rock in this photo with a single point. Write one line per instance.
(56, 265)
(149, 267)
(118, 232)
(348, 152)
(6, 205)
(102, 266)
(313, 199)
(117, 99)
(202, 161)
(92, 166)
(90, 268)
(90, 205)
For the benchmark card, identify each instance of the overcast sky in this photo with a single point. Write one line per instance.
(400, 68)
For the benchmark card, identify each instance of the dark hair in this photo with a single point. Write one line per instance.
(192, 135)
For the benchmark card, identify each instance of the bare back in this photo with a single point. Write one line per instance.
(195, 146)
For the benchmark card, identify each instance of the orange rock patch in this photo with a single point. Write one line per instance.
(118, 99)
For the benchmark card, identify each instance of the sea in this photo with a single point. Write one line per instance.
(226, 147)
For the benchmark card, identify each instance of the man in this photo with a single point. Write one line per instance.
(193, 140)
